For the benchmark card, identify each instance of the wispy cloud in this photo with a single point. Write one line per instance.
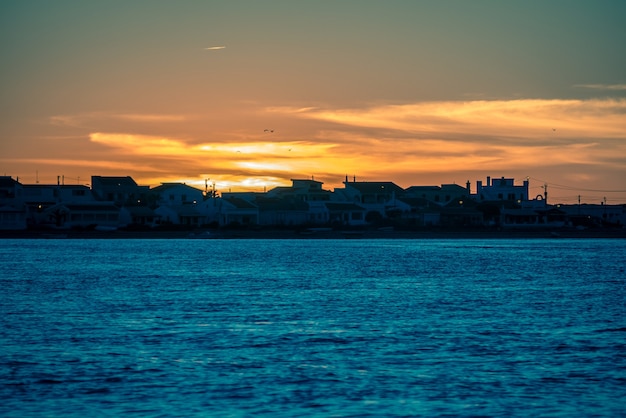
(91, 118)
(489, 120)
(614, 87)
(107, 164)
(141, 144)
(215, 48)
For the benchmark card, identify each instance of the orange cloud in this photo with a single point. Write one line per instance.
(244, 163)
(83, 119)
(141, 144)
(511, 119)
(406, 143)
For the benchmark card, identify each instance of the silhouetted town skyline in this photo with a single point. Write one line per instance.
(114, 202)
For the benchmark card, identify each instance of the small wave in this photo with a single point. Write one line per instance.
(327, 340)
(623, 329)
(92, 391)
(49, 382)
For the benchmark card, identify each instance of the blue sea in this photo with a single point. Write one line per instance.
(326, 328)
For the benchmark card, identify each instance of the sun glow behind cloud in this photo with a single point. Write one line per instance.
(243, 163)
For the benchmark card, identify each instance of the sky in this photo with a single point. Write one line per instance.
(251, 94)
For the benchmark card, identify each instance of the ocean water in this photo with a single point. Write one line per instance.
(281, 328)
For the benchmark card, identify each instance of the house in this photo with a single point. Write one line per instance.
(176, 194)
(238, 211)
(375, 197)
(346, 214)
(183, 215)
(12, 218)
(318, 213)
(421, 212)
(120, 190)
(298, 204)
(286, 211)
(501, 189)
(49, 205)
(371, 193)
(304, 190)
(10, 191)
(178, 204)
(98, 215)
(138, 216)
(36, 195)
(593, 215)
(441, 195)
(461, 213)
(523, 218)
(13, 212)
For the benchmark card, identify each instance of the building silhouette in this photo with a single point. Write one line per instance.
(119, 202)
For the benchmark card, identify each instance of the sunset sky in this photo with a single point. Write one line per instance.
(251, 94)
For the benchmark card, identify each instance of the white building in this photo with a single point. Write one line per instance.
(501, 189)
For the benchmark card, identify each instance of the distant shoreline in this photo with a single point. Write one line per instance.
(332, 234)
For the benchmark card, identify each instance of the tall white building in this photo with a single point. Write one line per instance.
(501, 189)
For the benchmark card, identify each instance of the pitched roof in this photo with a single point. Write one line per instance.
(240, 203)
(423, 189)
(375, 187)
(113, 181)
(6, 181)
(166, 186)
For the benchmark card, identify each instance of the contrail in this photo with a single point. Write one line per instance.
(213, 48)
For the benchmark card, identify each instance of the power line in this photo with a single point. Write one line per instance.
(562, 187)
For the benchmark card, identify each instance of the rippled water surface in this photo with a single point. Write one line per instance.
(312, 328)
